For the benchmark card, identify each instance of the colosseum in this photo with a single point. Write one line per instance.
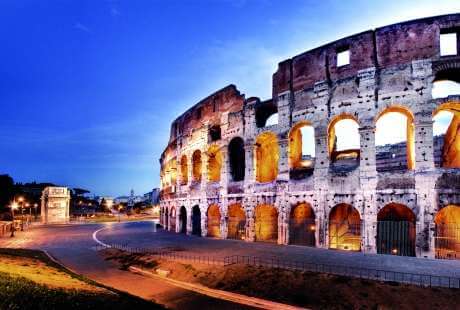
(311, 166)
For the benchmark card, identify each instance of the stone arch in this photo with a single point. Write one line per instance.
(344, 228)
(396, 230)
(266, 157)
(213, 221)
(214, 163)
(447, 232)
(388, 164)
(182, 220)
(196, 165)
(446, 80)
(196, 221)
(236, 222)
(302, 225)
(347, 156)
(446, 139)
(184, 170)
(237, 162)
(172, 219)
(299, 163)
(166, 226)
(266, 223)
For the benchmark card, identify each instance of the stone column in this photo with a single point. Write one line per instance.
(250, 223)
(283, 164)
(423, 134)
(250, 177)
(225, 171)
(189, 220)
(204, 220)
(224, 218)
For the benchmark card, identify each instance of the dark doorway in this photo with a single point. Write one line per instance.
(196, 221)
(237, 159)
(302, 225)
(183, 220)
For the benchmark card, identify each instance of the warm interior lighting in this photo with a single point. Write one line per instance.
(236, 222)
(302, 225)
(214, 163)
(184, 170)
(213, 220)
(446, 138)
(344, 228)
(447, 237)
(266, 218)
(344, 139)
(196, 165)
(266, 157)
(301, 146)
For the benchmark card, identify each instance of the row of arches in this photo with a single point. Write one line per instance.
(394, 141)
(395, 235)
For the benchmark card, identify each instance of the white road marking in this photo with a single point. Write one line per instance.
(99, 241)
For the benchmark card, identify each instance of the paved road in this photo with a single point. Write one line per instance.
(74, 247)
(142, 234)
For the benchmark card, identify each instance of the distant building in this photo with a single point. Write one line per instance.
(55, 205)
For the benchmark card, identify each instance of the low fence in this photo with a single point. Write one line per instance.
(425, 280)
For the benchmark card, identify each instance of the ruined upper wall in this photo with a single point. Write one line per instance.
(227, 99)
(381, 48)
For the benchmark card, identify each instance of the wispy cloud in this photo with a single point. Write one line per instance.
(81, 27)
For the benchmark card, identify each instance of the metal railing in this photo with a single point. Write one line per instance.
(425, 280)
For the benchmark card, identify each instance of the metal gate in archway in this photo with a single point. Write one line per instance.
(396, 238)
(345, 235)
(302, 232)
(447, 241)
(236, 228)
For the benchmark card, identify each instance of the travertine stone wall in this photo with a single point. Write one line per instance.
(393, 66)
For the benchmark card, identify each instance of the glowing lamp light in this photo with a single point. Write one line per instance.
(312, 227)
(21, 199)
(14, 206)
(394, 251)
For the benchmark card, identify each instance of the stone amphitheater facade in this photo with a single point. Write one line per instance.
(226, 173)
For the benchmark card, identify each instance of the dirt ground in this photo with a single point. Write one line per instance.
(306, 289)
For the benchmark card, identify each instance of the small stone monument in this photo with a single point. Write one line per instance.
(55, 205)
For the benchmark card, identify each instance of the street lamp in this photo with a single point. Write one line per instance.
(14, 206)
(35, 207)
(119, 211)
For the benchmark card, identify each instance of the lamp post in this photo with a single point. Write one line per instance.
(13, 206)
(119, 213)
(35, 207)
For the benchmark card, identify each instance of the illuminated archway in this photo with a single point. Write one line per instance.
(266, 220)
(302, 225)
(184, 170)
(214, 163)
(172, 219)
(301, 150)
(344, 140)
(344, 228)
(196, 166)
(236, 159)
(213, 220)
(446, 135)
(173, 171)
(196, 221)
(446, 83)
(394, 139)
(266, 157)
(236, 222)
(183, 220)
(396, 230)
(447, 233)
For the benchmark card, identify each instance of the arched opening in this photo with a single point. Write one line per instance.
(184, 170)
(166, 226)
(394, 140)
(237, 159)
(302, 225)
(162, 217)
(196, 166)
(173, 171)
(236, 222)
(214, 133)
(266, 114)
(214, 163)
(446, 135)
(266, 157)
(344, 142)
(447, 233)
(183, 220)
(196, 221)
(301, 151)
(266, 220)
(213, 219)
(446, 83)
(396, 230)
(172, 219)
(344, 228)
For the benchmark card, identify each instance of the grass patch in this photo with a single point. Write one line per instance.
(30, 280)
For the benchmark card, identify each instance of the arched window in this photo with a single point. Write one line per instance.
(447, 233)
(184, 170)
(266, 156)
(196, 165)
(344, 142)
(213, 221)
(446, 83)
(214, 163)
(266, 222)
(446, 137)
(394, 140)
(266, 114)
(301, 150)
(237, 159)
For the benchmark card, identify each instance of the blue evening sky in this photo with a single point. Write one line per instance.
(88, 89)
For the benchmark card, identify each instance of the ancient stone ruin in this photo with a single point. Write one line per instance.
(305, 167)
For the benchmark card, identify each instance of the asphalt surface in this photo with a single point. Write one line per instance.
(74, 246)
